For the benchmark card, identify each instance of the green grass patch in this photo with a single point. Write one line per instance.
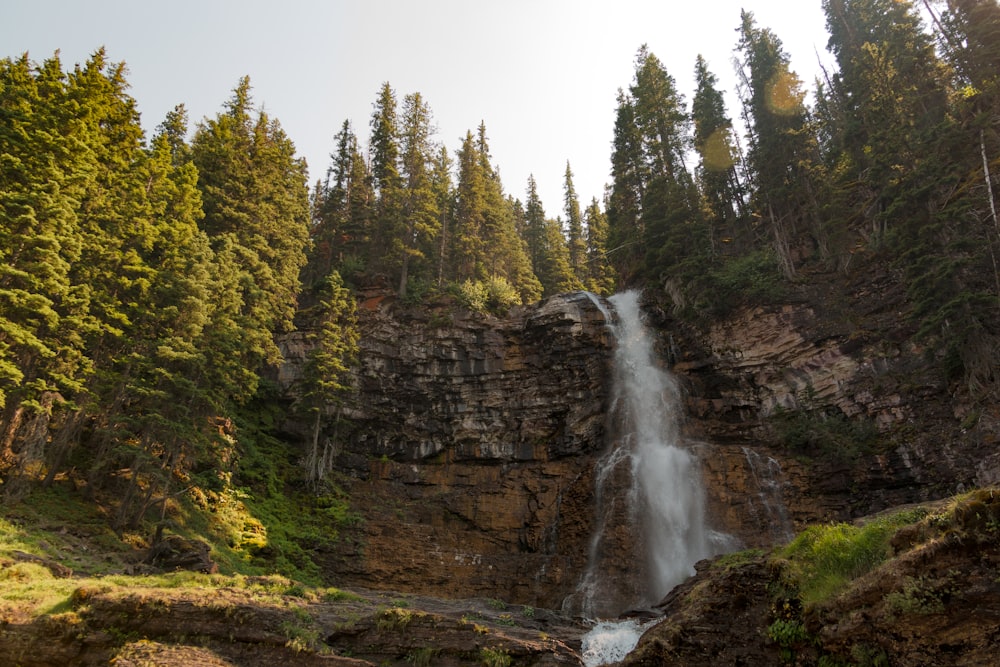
(823, 560)
(737, 559)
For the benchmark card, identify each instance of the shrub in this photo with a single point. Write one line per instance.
(817, 435)
(752, 278)
(494, 295)
(494, 657)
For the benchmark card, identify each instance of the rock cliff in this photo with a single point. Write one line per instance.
(468, 448)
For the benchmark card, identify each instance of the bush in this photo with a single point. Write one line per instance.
(494, 657)
(817, 435)
(494, 295)
(751, 278)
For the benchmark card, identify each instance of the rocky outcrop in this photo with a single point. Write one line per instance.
(829, 363)
(257, 624)
(468, 447)
(936, 601)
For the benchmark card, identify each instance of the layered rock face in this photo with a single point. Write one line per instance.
(746, 371)
(468, 449)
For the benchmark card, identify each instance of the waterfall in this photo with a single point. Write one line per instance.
(769, 511)
(651, 526)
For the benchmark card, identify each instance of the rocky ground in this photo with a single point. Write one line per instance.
(267, 621)
(935, 601)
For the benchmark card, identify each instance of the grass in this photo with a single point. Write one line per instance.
(823, 560)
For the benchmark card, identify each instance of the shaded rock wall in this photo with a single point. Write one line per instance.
(742, 371)
(468, 450)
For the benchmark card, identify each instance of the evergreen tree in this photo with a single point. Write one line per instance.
(508, 256)
(891, 86)
(326, 376)
(533, 226)
(44, 170)
(330, 231)
(575, 241)
(547, 247)
(385, 165)
(256, 204)
(629, 176)
(421, 199)
(467, 241)
(600, 275)
(444, 197)
(783, 151)
(717, 170)
(654, 199)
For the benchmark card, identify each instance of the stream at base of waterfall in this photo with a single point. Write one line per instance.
(648, 483)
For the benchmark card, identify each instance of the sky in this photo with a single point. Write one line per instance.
(543, 75)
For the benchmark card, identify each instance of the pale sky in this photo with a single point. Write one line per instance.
(542, 74)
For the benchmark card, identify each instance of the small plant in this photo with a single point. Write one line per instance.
(528, 611)
(917, 597)
(494, 657)
(336, 595)
(787, 634)
(394, 618)
(506, 619)
(422, 657)
(300, 637)
(497, 604)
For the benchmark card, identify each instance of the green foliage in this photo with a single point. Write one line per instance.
(916, 597)
(494, 657)
(301, 634)
(422, 657)
(751, 278)
(823, 560)
(787, 634)
(494, 295)
(819, 436)
(395, 619)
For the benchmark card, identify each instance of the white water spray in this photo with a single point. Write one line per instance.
(661, 518)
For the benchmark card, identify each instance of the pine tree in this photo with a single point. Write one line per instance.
(445, 199)
(783, 151)
(385, 156)
(891, 86)
(575, 241)
(326, 376)
(256, 204)
(717, 170)
(467, 240)
(600, 275)
(44, 170)
(547, 247)
(420, 214)
(629, 176)
(508, 255)
(654, 212)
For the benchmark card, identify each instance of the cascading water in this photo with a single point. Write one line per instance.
(660, 520)
(769, 509)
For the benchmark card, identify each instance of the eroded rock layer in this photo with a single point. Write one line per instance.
(469, 447)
